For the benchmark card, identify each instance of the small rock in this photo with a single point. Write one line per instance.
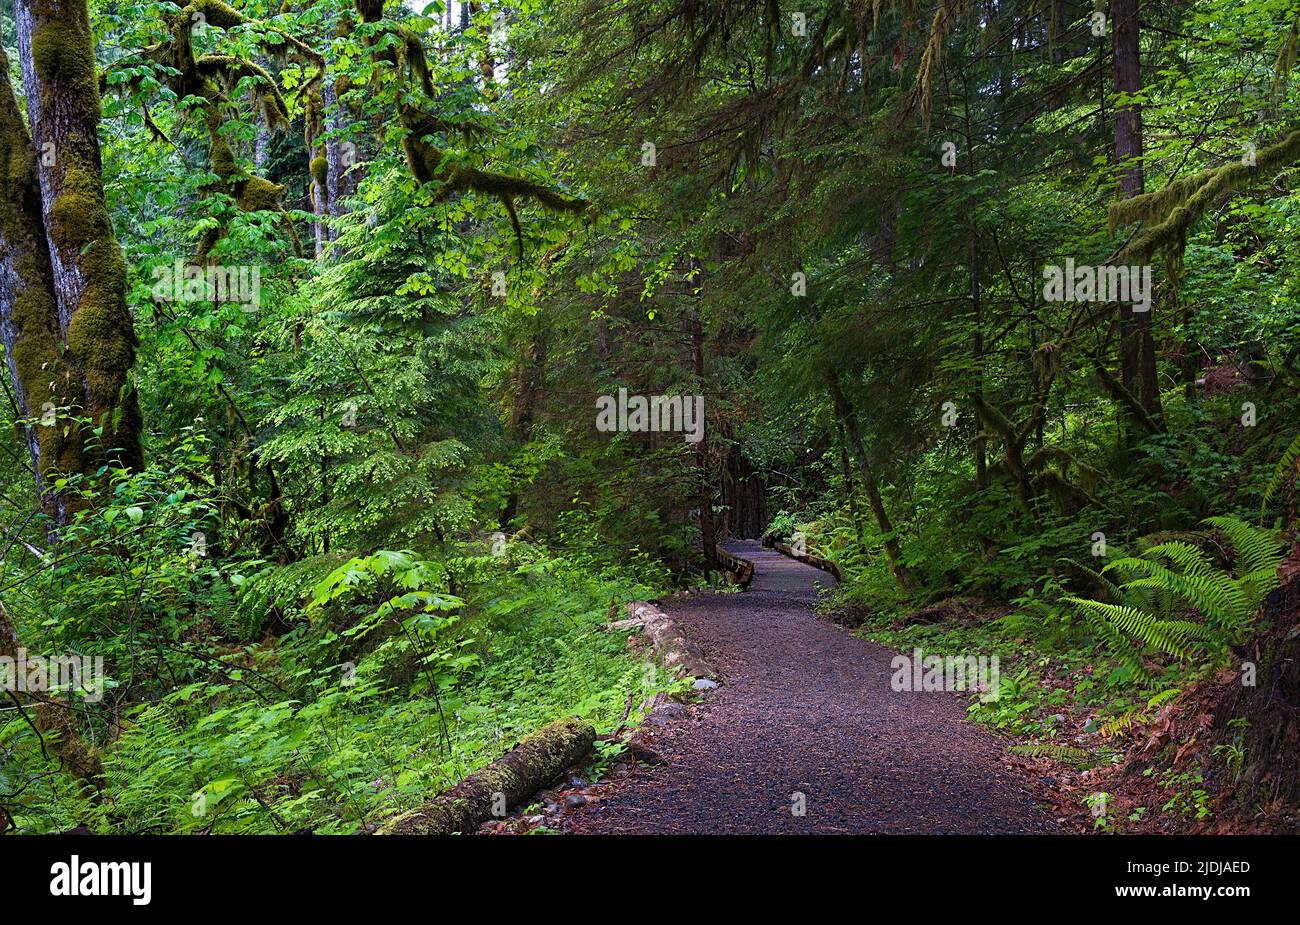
(1057, 718)
(550, 808)
(535, 820)
(576, 781)
(705, 684)
(574, 800)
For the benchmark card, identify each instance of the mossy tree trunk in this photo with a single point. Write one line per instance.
(61, 78)
(29, 322)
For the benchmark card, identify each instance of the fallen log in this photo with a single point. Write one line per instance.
(536, 761)
(674, 651)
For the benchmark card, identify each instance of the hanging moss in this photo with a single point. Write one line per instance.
(258, 195)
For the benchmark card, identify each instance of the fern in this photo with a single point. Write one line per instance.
(1123, 724)
(1152, 631)
(1067, 753)
(1253, 549)
(1286, 468)
(1152, 604)
(1127, 721)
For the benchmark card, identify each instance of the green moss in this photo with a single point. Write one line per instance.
(216, 13)
(100, 335)
(319, 168)
(259, 195)
(222, 159)
(98, 344)
(41, 375)
(64, 51)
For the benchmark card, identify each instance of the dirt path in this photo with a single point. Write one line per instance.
(806, 708)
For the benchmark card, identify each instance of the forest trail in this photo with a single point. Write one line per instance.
(805, 707)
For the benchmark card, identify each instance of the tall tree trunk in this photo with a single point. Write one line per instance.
(708, 532)
(29, 321)
(977, 357)
(61, 78)
(893, 552)
(332, 155)
(846, 470)
(1137, 347)
(528, 395)
(980, 445)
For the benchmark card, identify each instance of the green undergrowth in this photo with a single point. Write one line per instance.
(296, 740)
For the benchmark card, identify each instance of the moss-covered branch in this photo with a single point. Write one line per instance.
(1122, 395)
(1167, 214)
(210, 77)
(429, 163)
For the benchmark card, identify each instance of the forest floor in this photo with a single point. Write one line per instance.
(805, 734)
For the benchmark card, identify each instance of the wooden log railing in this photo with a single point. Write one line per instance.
(826, 565)
(738, 571)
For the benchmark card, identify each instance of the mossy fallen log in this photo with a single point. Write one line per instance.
(538, 759)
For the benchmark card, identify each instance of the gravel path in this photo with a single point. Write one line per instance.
(806, 708)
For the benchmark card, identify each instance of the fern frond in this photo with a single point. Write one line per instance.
(1059, 752)
(1286, 466)
(1164, 635)
(1186, 556)
(1123, 724)
(1215, 595)
(1253, 548)
(1109, 586)
(1259, 583)
(1163, 697)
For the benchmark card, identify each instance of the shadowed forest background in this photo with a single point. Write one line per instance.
(343, 528)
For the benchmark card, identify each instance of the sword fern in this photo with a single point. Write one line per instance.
(1172, 581)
